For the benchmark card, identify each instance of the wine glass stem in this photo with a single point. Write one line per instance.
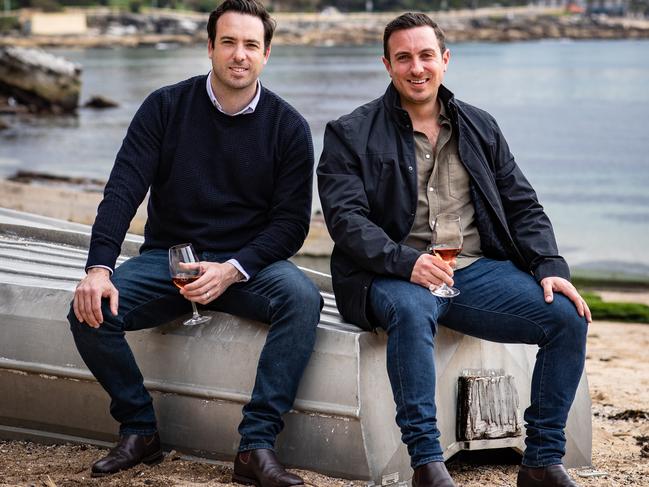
(196, 315)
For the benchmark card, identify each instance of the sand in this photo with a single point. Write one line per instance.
(617, 364)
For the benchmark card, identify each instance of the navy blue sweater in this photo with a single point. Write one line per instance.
(240, 186)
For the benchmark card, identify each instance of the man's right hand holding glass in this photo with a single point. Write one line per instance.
(431, 271)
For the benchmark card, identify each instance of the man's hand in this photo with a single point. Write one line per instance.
(87, 297)
(563, 286)
(215, 279)
(430, 271)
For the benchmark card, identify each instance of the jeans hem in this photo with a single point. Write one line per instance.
(419, 463)
(547, 463)
(256, 446)
(139, 432)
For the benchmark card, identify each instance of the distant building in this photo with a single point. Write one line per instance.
(58, 24)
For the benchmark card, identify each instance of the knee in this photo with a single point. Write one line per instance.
(305, 298)
(300, 297)
(110, 323)
(413, 318)
(570, 328)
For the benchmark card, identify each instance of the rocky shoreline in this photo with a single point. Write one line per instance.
(165, 29)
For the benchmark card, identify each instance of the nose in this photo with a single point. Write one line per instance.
(239, 53)
(417, 67)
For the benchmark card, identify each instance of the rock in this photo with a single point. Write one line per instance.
(3, 125)
(40, 80)
(99, 101)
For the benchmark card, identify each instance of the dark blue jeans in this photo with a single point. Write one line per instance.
(498, 302)
(280, 295)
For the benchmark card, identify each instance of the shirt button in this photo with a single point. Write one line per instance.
(427, 156)
(410, 168)
(431, 189)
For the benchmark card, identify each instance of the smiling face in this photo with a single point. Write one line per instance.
(237, 54)
(416, 65)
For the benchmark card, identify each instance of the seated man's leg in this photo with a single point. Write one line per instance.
(409, 314)
(499, 302)
(282, 296)
(147, 298)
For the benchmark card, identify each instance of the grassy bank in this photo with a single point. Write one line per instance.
(615, 311)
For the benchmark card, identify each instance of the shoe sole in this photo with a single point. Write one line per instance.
(240, 479)
(151, 460)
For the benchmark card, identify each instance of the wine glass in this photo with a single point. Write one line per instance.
(184, 267)
(447, 244)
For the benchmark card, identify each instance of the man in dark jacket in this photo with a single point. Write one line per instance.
(229, 167)
(387, 170)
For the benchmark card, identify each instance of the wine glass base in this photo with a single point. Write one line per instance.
(446, 292)
(197, 321)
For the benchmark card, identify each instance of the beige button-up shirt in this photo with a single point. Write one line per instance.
(443, 187)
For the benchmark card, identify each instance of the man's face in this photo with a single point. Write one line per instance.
(416, 64)
(238, 54)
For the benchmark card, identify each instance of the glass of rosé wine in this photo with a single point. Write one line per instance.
(447, 244)
(184, 267)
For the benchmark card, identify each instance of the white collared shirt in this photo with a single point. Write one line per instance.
(245, 110)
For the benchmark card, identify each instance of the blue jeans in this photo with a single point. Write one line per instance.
(498, 302)
(280, 295)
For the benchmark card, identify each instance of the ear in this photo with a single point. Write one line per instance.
(266, 55)
(210, 48)
(446, 57)
(388, 66)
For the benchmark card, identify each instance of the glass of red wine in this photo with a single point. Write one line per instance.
(184, 267)
(447, 244)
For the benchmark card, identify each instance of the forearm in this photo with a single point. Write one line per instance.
(370, 247)
(280, 240)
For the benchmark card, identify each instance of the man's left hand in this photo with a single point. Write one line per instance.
(559, 284)
(215, 279)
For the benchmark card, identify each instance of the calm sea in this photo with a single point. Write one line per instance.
(576, 115)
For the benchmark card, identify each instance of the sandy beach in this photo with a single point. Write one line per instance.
(617, 364)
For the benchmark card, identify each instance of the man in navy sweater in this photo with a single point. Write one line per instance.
(229, 168)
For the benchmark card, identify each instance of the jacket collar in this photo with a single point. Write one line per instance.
(392, 103)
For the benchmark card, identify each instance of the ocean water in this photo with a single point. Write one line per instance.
(575, 114)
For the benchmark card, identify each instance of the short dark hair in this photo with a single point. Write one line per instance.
(409, 21)
(248, 7)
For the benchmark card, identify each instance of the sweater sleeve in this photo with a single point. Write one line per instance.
(290, 211)
(132, 174)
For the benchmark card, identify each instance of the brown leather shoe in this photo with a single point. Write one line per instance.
(261, 468)
(433, 474)
(551, 476)
(129, 452)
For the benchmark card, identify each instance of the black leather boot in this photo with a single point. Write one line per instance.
(262, 468)
(129, 452)
(551, 476)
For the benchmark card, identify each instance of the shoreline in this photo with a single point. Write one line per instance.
(77, 201)
(496, 24)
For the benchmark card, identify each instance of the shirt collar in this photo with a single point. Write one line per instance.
(443, 115)
(245, 110)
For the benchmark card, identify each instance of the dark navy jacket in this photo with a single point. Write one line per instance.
(367, 180)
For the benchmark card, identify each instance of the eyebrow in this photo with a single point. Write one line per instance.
(423, 51)
(231, 38)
